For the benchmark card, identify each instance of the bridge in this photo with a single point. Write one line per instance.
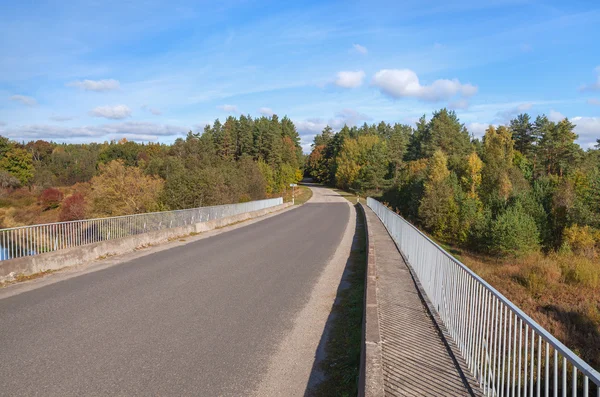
(243, 310)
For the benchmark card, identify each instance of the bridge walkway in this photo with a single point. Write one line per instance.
(417, 357)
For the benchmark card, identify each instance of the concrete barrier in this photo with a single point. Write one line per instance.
(78, 255)
(370, 381)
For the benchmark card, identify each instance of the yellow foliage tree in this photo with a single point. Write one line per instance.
(347, 166)
(120, 190)
(473, 177)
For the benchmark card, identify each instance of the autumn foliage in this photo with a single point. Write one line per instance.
(73, 208)
(50, 198)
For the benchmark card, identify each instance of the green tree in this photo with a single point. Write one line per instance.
(19, 163)
(514, 233)
(523, 134)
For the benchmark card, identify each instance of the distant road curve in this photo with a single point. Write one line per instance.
(227, 315)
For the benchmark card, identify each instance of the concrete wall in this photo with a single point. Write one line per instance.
(78, 255)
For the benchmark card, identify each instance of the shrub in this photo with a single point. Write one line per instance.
(50, 198)
(7, 181)
(73, 208)
(581, 240)
(514, 233)
(580, 270)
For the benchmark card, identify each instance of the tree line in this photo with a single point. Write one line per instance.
(524, 187)
(239, 160)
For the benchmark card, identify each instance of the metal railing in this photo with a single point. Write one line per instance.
(23, 241)
(508, 353)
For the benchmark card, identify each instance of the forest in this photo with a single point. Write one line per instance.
(521, 206)
(239, 160)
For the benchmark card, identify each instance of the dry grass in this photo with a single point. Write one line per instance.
(559, 291)
(27, 277)
(20, 207)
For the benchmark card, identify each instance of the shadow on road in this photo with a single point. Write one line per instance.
(337, 358)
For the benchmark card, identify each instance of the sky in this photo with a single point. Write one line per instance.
(94, 70)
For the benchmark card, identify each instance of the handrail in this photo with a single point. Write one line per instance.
(16, 242)
(480, 320)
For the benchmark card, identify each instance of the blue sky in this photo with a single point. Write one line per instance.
(151, 70)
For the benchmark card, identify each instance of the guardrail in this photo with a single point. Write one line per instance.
(508, 353)
(31, 240)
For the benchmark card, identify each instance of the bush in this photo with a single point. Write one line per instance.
(50, 198)
(579, 270)
(514, 233)
(73, 208)
(581, 240)
(7, 181)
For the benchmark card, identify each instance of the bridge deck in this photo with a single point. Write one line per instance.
(417, 358)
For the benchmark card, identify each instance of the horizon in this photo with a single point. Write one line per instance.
(151, 72)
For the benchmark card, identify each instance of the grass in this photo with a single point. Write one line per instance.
(341, 364)
(561, 292)
(301, 195)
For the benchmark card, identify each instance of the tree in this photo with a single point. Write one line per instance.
(446, 133)
(523, 134)
(438, 209)
(7, 181)
(472, 179)
(514, 233)
(73, 208)
(121, 190)
(50, 198)
(498, 158)
(558, 148)
(19, 163)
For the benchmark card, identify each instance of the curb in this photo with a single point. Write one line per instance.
(370, 383)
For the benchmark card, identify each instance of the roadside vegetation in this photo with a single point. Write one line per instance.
(340, 367)
(302, 195)
(521, 206)
(240, 160)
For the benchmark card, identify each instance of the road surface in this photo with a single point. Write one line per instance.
(213, 317)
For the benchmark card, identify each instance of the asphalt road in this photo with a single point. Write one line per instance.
(201, 319)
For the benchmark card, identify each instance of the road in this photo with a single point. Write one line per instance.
(205, 318)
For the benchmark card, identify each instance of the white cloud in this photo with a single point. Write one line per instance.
(595, 86)
(504, 116)
(310, 126)
(360, 49)
(134, 130)
(96, 85)
(348, 117)
(24, 99)
(316, 125)
(555, 116)
(403, 83)
(459, 104)
(593, 101)
(266, 112)
(228, 108)
(588, 129)
(349, 79)
(117, 112)
(2, 123)
(477, 129)
(60, 118)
